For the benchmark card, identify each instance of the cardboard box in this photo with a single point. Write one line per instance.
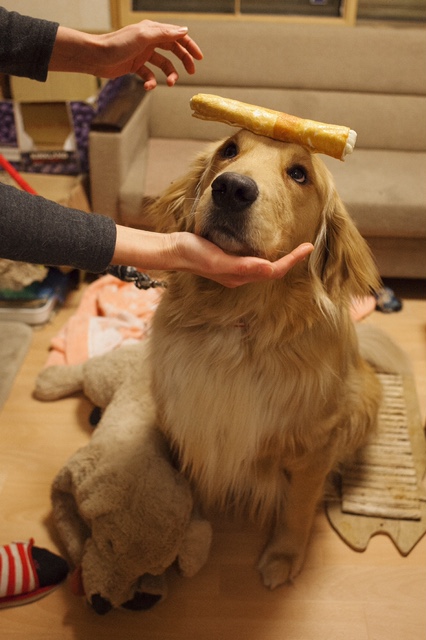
(45, 131)
(40, 128)
(59, 87)
(50, 137)
(70, 191)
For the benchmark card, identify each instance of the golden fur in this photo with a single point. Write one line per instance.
(262, 389)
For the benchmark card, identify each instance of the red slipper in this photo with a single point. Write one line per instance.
(28, 573)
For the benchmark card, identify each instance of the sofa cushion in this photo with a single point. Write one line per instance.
(384, 191)
(322, 57)
(399, 257)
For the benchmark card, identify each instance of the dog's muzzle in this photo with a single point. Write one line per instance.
(226, 222)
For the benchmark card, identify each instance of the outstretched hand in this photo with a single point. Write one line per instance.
(127, 50)
(131, 48)
(183, 251)
(206, 259)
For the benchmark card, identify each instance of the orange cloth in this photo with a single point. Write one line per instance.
(111, 313)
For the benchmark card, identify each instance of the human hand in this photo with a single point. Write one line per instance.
(127, 50)
(206, 259)
(183, 251)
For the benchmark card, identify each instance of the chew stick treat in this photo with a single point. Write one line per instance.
(333, 140)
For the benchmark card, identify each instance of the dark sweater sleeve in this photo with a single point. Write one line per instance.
(26, 45)
(33, 229)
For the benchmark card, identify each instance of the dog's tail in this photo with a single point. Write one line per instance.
(380, 351)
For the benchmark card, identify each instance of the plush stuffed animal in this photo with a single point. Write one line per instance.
(124, 513)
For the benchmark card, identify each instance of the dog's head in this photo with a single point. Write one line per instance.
(255, 196)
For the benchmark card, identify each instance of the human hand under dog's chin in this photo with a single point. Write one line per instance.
(184, 251)
(206, 259)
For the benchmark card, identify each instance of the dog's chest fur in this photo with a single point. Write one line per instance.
(237, 415)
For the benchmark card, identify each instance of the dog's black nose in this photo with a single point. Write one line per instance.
(234, 191)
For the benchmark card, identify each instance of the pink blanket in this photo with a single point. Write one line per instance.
(111, 313)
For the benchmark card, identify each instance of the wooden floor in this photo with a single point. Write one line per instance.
(341, 594)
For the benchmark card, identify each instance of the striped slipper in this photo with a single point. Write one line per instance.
(28, 573)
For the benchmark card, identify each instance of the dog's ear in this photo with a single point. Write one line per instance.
(342, 259)
(164, 213)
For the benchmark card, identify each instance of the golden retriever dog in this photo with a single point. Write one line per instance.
(262, 390)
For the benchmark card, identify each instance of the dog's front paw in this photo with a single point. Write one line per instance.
(278, 568)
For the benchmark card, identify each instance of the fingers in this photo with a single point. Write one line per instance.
(191, 47)
(159, 35)
(150, 81)
(166, 65)
(169, 38)
(281, 266)
(245, 270)
(190, 252)
(184, 56)
(132, 48)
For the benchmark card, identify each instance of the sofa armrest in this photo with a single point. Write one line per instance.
(112, 154)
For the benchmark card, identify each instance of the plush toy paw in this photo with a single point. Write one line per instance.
(149, 590)
(100, 605)
(140, 602)
(95, 416)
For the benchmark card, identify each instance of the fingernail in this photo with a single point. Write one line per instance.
(183, 30)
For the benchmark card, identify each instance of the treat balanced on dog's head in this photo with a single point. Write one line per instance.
(333, 140)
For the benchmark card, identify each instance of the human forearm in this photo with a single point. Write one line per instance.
(74, 51)
(33, 229)
(31, 47)
(144, 250)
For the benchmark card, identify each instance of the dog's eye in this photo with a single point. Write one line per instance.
(298, 174)
(230, 150)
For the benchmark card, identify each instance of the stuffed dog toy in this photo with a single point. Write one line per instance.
(122, 510)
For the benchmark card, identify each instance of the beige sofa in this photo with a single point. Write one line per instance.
(370, 78)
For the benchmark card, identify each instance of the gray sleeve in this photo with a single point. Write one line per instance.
(36, 230)
(26, 45)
